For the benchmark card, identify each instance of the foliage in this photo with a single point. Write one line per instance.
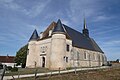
(117, 60)
(9, 67)
(14, 69)
(1, 66)
(68, 68)
(21, 56)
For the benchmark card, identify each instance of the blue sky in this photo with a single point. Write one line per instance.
(18, 19)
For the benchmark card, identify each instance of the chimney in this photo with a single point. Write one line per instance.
(50, 32)
(41, 35)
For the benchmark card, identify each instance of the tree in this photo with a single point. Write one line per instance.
(117, 60)
(21, 56)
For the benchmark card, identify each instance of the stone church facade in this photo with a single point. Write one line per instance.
(60, 46)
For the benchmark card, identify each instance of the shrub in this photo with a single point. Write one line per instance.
(1, 66)
(68, 68)
(109, 64)
(14, 69)
(9, 67)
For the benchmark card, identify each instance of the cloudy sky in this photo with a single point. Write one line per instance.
(18, 19)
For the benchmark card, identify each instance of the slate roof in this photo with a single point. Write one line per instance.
(81, 41)
(59, 27)
(78, 39)
(34, 35)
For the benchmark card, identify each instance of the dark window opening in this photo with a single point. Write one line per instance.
(68, 47)
(85, 55)
(27, 51)
(43, 61)
(66, 59)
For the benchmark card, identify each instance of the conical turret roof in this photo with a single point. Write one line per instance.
(34, 35)
(59, 27)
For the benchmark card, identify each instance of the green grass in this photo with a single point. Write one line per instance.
(103, 74)
(22, 71)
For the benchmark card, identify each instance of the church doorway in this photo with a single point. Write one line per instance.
(43, 61)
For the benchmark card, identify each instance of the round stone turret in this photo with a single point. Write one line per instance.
(58, 47)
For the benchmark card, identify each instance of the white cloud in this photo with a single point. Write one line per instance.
(113, 42)
(66, 22)
(102, 18)
(37, 9)
(106, 31)
(32, 12)
(92, 9)
(80, 7)
(10, 4)
(6, 1)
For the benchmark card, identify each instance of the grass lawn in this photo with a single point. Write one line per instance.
(22, 71)
(27, 71)
(103, 74)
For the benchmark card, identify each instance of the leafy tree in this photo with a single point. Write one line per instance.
(117, 60)
(21, 56)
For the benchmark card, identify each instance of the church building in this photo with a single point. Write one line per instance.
(60, 46)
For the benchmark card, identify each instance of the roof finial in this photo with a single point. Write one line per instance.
(85, 26)
(85, 30)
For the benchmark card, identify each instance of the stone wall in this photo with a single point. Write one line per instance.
(55, 54)
(86, 58)
(58, 49)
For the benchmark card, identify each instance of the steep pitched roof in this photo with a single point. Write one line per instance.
(78, 39)
(96, 47)
(81, 41)
(7, 59)
(34, 35)
(59, 27)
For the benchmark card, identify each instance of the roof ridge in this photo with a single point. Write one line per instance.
(72, 29)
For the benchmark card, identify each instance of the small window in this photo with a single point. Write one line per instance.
(27, 51)
(66, 59)
(67, 47)
(85, 55)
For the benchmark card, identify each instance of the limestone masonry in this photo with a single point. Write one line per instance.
(60, 46)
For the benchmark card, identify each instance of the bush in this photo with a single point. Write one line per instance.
(9, 67)
(68, 68)
(14, 69)
(109, 64)
(1, 66)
